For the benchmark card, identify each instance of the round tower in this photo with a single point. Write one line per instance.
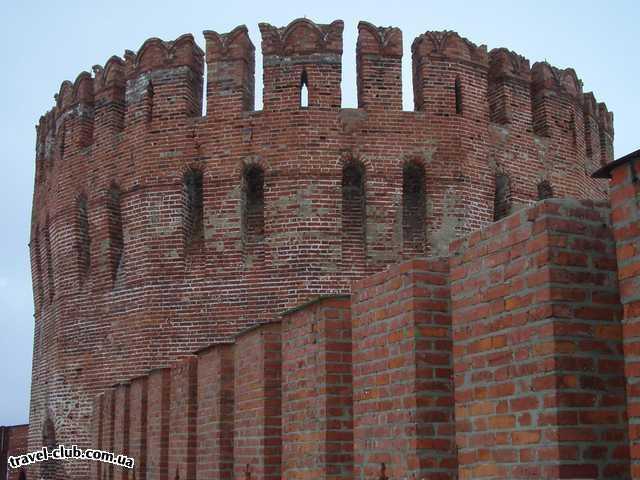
(159, 229)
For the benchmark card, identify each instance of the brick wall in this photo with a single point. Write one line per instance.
(13, 441)
(215, 413)
(138, 426)
(503, 361)
(626, 230)
(540, 388)
(317, 417)
(402, 389)
(257, 443)
(182, 419)
(158, 421)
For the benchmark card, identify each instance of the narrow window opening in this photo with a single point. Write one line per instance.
(544, 190)
(502, 199)
(304, 90)
(49, 260)
(193, 198)
(572, 129)
(413, 208)
(84, 239)
(63, 135)
(458, 92)
(253, 192)
(37, 267)
(588, 140)
(150, 94)
(353, 214)
(116, 235)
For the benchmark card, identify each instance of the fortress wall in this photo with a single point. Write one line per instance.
(317, 402)
(215, 420)
(122, 425)
(124, 282)
(138, 401)
(183, 418)
(540, 388)
(13, 441)
(626, 231)
(525, 313)
(402, 388)
(158, 423)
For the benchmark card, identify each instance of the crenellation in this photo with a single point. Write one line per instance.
(379, 67)
(592, 131)
(302, 54)
(509, 84)
(230, 61)
(110, 85)
(302, 37)
(449, 45)
(605, 122)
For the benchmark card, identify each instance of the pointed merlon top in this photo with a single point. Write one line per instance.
(384, 41)
(506, 63)
(605, 172)
(155, 54)
(230, 46)
(302, 36)
(112, 74)
(448, 44)
(546, 78)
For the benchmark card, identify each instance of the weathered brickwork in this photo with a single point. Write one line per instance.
(317, 404)
(13, 441)
(625, 213)
(215, 413)
(503, 361)
(257, 434)
(538, 347)
(402, 366)
(159, 229)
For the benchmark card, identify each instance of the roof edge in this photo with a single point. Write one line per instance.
(605, 172)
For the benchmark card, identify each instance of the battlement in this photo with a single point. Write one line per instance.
(302, 37)
(303, 42)
(159, 229)
(502, 360)
(449, 45)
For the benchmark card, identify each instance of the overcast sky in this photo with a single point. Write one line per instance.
(46, 42)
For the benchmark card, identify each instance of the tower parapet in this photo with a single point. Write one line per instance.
(302, 54)
(379, 67)
(230, 71)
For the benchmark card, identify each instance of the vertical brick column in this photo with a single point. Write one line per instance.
(230, 72)
(402, 389)
(108, 431)
(182, 424)
(138, 426)
(96, 435)
(257, 442)
(379, 67)
(317, 424)
(302, 52)
(158, 401)
(215, 413)
(626, 229)
(121, 428)
(539, 384)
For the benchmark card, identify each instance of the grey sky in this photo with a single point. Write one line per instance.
(46, 42)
